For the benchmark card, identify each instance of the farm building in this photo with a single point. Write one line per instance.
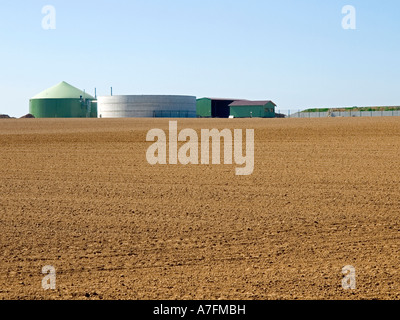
(252, 109)
(223, 108)
(63, 101)
(147, 107)
(213, 107)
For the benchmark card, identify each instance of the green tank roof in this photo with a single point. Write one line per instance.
(62, 90)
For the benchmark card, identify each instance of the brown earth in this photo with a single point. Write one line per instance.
(79, 195)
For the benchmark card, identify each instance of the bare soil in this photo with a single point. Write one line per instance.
(79, 195)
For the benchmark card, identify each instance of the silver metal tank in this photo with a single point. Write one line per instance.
(146, 106)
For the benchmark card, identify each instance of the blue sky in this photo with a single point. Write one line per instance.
(294, 52)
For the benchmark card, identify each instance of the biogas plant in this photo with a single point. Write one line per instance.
(65, 101)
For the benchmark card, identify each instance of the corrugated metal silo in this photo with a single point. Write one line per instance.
(147, 106)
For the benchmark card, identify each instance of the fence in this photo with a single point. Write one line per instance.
(174, 114)
(346, 114)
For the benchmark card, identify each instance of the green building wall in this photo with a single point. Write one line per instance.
(93, 113)
(204, 108)
(61, 108)
(267, 111)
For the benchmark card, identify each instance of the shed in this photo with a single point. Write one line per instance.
(213, 107)
(252, 109)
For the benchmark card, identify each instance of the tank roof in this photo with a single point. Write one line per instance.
(62, 90)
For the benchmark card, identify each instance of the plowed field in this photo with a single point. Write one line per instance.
(79, 195)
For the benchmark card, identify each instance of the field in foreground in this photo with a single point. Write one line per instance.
(79, 195)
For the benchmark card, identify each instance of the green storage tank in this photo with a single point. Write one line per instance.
(63, 101)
